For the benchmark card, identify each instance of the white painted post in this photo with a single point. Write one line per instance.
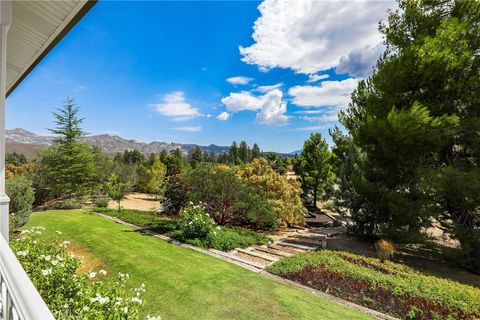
(5, 20)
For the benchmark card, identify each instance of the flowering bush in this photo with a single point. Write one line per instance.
(70, 295)
(195, 222)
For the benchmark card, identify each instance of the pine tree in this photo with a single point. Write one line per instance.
(314, 167)
(68, 165)
(256, 153)
(243, 152)
(416, 122)
(67, 122)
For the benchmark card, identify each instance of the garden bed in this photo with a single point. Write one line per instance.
(389, 287)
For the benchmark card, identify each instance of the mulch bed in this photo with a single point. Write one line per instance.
(377, 298)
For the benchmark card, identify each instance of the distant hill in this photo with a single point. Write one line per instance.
(29, 143)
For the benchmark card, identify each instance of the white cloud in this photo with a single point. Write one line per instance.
(359, 63)
(271, 106)
(273, 109)
(311, 36)
(265, 89)
(309, 111)
(241, 101)
(323, 118)
(223, 116)
(239, 80)
(312, 128)
(175, 105)
(189, 129)
(317, 77)
(328, 93)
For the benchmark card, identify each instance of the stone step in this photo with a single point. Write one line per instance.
(238, 259)
(320, 242)
(258, 254)
(306, 247)
(253, 258)
(271, 251)
(290, 250)
(326, 231)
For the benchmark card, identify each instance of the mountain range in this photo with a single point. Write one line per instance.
(21, 140)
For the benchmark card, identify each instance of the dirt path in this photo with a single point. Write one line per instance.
(138, 201)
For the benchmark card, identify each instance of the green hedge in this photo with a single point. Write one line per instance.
(396, 278)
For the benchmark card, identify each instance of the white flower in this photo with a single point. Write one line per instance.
(92, 274)
(137, 300)
(54, 262)
(86, 308)
(22, 253)
(47, 258)
(102, 272)
(65, 305)
(149, 317)
(46, 272)
(125, 310)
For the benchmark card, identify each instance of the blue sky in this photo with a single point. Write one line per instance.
(269, 72)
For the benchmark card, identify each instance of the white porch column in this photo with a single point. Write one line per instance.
(5, 20)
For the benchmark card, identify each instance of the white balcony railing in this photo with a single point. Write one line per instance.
(19, 300)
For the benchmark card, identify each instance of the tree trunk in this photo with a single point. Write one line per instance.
(119, 207)
(315, 190)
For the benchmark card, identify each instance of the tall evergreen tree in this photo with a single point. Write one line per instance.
(233, 153)
(314, 167)
(243, 152)
(67, 122)
(68, 165)
(417, 123)
(256, 153)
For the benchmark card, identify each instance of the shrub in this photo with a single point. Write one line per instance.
(101, 203)
(175, 197)
(393, 288)
(229, 238)
(22, 196)
(218, 189)
(67, 204)
(280, 192)
(230, 199)
(68, 293)
(384, 249)
(195, 223)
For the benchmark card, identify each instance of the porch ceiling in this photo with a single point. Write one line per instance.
(37, 26)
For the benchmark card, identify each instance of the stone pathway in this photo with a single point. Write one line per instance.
(285, 244)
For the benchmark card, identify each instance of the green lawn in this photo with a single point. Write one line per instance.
(182, 283)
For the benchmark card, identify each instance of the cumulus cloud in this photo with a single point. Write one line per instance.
(327, 94)
(311, 36)
(273, 109)
(243, 100)
(175, 105)
(359, 63)
(265, 89)
(189, 129)
(271, 106)
(223, 116)
(239, 80)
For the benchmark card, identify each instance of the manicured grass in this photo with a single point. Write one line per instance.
(390, 287)
(225, 238)
(145, 219)
(182, 283)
